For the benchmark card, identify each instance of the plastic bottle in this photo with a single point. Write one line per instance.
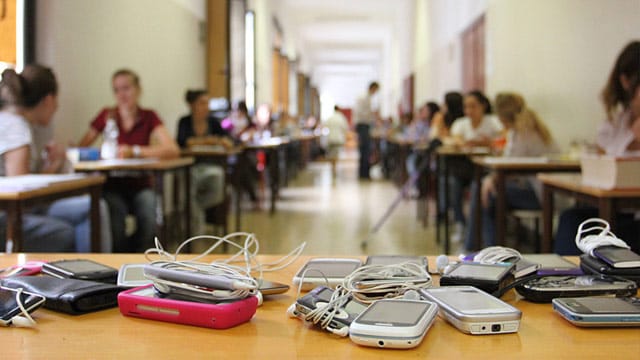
(110, 134)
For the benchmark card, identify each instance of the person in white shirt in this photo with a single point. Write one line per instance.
(338, 127)
(527, 135)
(619, 135)
(478, 128)
(366, 114)
(30, 99)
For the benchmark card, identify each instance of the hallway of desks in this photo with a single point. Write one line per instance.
(334, 219)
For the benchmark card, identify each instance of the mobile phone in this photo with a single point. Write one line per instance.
(132, 275)
(593, 265)
(267, 287)
(393, 323)
(145, 302)
(9, 307)
(28, 268)
(320, 297)
(547, 288)
(553, 264)
(320, 271)
(620, 258)
(81, 269)
(488, 277)
(473, 311)
(397, 259)
(599, 311)
(193, 277)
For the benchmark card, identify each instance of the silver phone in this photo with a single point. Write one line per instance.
(474, 311)
(599, 311)
(324, 271)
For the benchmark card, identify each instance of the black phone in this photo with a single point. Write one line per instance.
(547, 288)
(491, 278)
(620, 258)
(267, 287)
(9, 307)
(81, 269)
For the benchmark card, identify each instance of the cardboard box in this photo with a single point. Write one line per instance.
(609, 172)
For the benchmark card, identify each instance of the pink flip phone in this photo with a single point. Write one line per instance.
(143, 302)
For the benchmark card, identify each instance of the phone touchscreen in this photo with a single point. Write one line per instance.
(598, 305)
(396, 313)
(330, 269)
(9, 306)
(469, 301)
(81, 266)
(478, 271)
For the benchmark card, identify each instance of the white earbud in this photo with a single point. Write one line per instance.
(260, 298)
(343, 331)
(443, 265)
(291, 311)
(411, 295)
(22, 321)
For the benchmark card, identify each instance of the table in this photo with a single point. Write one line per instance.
(271, 334)
(444, 155)
(157, 168)
(272, 147)
(16, 201)
(608, 202)
(220, 157)
(502, 167)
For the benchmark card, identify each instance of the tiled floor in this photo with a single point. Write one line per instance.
(335, 218)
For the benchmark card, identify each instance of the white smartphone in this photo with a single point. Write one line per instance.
(327, 272)
(474, 311)
(599, 311)
(393, 323)
(132, 275)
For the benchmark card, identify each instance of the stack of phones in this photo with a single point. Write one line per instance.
(613, 261)
(178, 304)
(491, 278)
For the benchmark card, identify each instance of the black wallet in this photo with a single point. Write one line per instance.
(69, 296)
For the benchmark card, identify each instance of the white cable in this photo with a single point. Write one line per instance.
(497, 254)
(598, 234)
(26, 316)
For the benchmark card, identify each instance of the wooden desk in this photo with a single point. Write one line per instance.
(220, 157)
(157, 168)
(17, 201)
(444, 155)
(608, 202)
(272, 147)
(271, 334)
(502, 167)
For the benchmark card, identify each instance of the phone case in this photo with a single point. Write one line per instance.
(547, 288)
(618, 257)
(69, 296)
(592, 265)
(215, 316)
(56, 269)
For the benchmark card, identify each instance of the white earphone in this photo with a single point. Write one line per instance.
(443, 265)
(604, 237)
(23, 321)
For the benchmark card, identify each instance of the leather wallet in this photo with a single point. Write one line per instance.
(69, 296)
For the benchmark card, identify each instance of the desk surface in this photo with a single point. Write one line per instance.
(525, 163)
(272, 334)
(573, 182)
(448, 150)
(207, 151)
(133, 164)
(52, 188)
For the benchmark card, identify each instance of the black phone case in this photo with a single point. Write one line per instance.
(593, 265)
(537, 294)
(69, 296)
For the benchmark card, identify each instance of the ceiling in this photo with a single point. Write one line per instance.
(344, 45)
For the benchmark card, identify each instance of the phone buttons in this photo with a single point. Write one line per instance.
(475, 328)
(509, 327)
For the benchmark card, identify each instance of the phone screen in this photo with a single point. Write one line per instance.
(330, 269)
(81, 266)
(395, 259)
(134, 273)
(607, 305)
(398, 313)
(9, 306)
(469, 300)
(550, 261)
(478, 271)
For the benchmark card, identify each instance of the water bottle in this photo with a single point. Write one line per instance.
(110, 134)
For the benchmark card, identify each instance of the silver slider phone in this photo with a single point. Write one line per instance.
(474, 311)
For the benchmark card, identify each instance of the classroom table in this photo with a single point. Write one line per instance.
(502, 167)
(444, 155)
(219, 156)
(271, 334)
(15, 201)
(608, 202)
(157, 168)
(273, 148)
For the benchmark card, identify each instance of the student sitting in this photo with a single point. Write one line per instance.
(527, 135)
(619, 135)
(200, 128)
(141, 134)
(29, 100)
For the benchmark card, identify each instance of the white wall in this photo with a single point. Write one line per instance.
(558, 54)
(86, 41)
(264, 46)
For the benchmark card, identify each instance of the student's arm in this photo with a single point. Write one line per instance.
(635, 129)
(162, 146)
(56, 158)
(16, 161)
(89, 137)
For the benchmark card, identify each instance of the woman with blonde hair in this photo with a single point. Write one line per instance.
(526, 135)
